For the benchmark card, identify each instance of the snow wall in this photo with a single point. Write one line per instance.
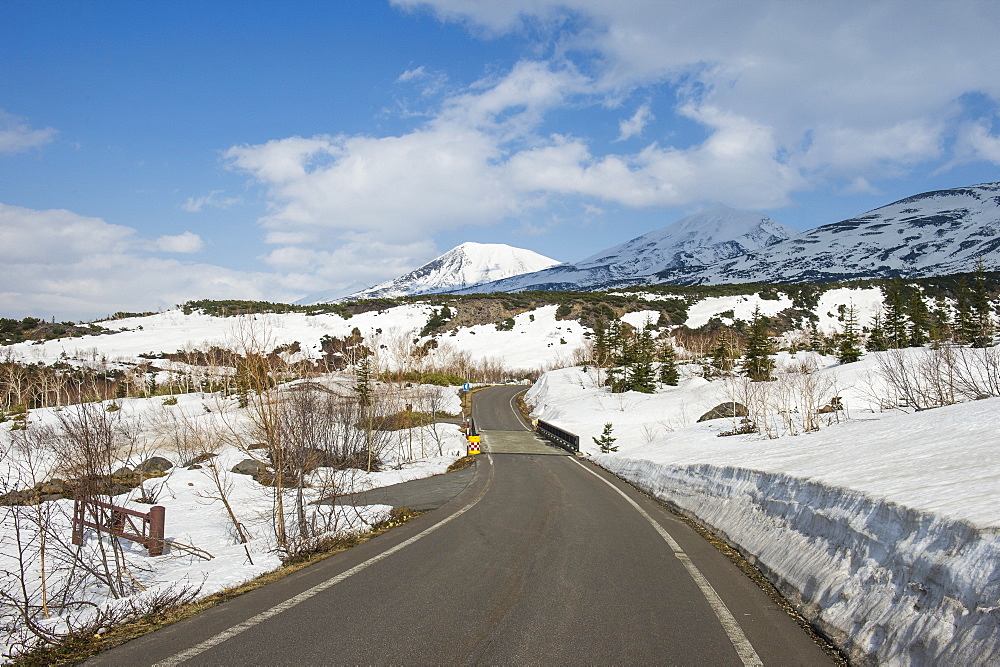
(890, 585)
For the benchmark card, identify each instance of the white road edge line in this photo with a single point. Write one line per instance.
(740, 642)
(253, 621)
(517, 412)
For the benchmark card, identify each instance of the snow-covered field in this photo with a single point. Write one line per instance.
(195, 515)
(884, 525)
(538, 340)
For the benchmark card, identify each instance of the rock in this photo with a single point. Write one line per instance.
(725, 411)
(250, 467)
(201, 458)
(123, 472)
(156, 465)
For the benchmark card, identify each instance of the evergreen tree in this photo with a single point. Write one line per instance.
(724, 352)
(919, 315)
(876, 337)
(640, 374)
(896, 330)
(965, 322)
(602, 349)
(668, 364)
(606, 442)
(982, 309)
(757, 362)
(817, 342)
(849, 350)
(940, 322)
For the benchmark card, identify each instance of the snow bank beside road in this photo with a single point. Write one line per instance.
(889, 584)
(885, 528)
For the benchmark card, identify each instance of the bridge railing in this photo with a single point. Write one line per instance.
(568, 441)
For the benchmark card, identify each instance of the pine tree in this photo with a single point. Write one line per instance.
(640, 375)
(606, 442)
(724, 352)
(363, 379)
(757, 362)
(920, 317)
(668, 364)
(896, 330)
(965, 328)
(982, 308)
(940, 322)
(602, 349)
(817, 341)
(849, 350)
(876, 337)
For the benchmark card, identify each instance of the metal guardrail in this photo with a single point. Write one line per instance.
(568, 441)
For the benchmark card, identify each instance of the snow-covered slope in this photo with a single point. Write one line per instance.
(462, 266)
(935, 233)
(709, 236)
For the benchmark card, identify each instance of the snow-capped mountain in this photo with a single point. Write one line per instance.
(463, 266)
(711, 235)
(934, 233)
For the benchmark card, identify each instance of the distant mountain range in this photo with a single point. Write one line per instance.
(704, 238)
(934, 233)
(930, 234)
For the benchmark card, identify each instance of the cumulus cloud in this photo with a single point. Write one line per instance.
(71, 266)
(844, 81)
(482, 159)
(17, 136)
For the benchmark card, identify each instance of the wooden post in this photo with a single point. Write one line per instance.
(157, 516)
(79, 510)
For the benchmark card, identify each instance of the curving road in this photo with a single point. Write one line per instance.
(541, 558)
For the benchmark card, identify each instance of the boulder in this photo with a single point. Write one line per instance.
(726, 410)
(201, 458)
(156, 465)
(251, 467)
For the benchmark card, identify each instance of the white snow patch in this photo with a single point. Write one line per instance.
(742, 305)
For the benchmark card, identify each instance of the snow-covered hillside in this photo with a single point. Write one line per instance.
(462, 266)
(700, 239)
(704, 238)
(537, 341)
(935, 233)
(884, 526)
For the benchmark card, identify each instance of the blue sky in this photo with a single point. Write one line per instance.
(152, 153)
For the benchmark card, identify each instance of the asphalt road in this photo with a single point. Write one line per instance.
(541, 558)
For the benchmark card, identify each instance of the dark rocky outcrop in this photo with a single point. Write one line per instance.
(726, 410)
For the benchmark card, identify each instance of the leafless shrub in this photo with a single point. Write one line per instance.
(976, 372)
(920, 380)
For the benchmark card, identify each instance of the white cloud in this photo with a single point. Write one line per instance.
(977, 142)
(480, 161)
(181, 243)
(845, 80)
(16, 136)
(633, 127)
(55, 262)
(412, 74)
(213, 199)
